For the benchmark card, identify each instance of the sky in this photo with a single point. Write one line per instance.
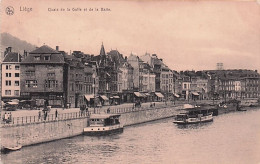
(187, 35)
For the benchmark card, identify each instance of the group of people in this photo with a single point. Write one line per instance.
(7, 117)
(83, 109)
(45, 114)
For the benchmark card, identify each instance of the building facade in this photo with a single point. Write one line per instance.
(11, 75)
(42, 76)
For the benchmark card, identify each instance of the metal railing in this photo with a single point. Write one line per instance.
(45, 118)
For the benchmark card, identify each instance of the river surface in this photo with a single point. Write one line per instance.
(230, 138)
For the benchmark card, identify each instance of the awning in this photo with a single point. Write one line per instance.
(116, 97)
(176, 95)
(195, 93)
(12, 103)
(159, 94)
(104, 97)
(147, 94)
(138, 94)
(143, 95)
(88, 97)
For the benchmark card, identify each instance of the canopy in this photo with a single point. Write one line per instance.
(159, 94)
(104, 97)
(138, 94)
(147, 94)
(195, 93)
(116, 97)
(88, 97)
(176, 95)
(143, 95)
(12, 103)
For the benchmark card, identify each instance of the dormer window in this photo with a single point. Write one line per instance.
(47, 58)
(37, 58)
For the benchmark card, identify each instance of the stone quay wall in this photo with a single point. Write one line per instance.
(36, 133)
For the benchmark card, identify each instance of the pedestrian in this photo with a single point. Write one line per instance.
(4, 117)
(56, 114)
(87, 111)
(39, 115)
(45, 115)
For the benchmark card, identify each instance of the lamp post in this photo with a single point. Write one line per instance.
(94, 89)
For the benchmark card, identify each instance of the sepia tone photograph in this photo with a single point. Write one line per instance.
(129, 82)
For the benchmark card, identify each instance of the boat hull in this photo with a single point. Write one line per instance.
(191, 122)
(9, 149)
(103, 132)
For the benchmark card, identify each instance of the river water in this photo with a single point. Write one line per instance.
(230, 138)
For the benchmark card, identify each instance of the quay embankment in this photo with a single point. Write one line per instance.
(30, 130)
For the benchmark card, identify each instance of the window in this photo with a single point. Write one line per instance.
(51, 74)
(17, 67)
(16, 83)
(37, 58)
(51, 83)
(7, 92)
(16, 92)
(8, 83)
(8, 75)
(31, 83)
(16, 74)
(8, 67)
(30, 73)
(71, 87)
(47, 57)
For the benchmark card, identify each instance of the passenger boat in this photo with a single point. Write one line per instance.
(6, 149)
(193, 116)
(103, 124)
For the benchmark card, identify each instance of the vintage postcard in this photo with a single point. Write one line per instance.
(130, 81)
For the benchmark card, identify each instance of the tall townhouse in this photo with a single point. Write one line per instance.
(42, 76)
(11, 75)
(125, 82)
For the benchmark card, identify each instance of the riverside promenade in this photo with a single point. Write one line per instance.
(21, 117)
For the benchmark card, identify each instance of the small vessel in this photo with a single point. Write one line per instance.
(193, 116)
(103, 124)
(6, 149)
(242, 109)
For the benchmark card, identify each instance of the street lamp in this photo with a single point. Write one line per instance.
(94, 89)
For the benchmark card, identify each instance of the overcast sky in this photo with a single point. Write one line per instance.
(187, 35)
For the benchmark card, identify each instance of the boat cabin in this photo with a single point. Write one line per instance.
(104, 120)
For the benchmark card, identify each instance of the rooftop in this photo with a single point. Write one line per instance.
(12, 57)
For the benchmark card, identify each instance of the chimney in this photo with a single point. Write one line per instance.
(24, 54)
(125, 58)
(57, 48)
(256, 71)
(9, 49)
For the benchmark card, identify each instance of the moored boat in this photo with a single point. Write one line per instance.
(103, 124)
(6, 149)
(194, 116)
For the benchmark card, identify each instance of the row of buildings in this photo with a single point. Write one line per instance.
(110, 78)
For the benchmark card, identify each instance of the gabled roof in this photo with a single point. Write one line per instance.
(12, 57)
(44, 50)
